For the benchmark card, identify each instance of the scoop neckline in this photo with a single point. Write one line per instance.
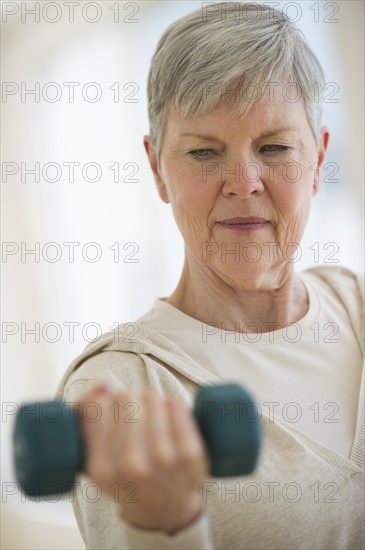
(265, 338)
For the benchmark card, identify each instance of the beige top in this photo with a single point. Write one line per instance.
(307, 491)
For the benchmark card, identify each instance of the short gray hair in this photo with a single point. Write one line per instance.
(207, 52)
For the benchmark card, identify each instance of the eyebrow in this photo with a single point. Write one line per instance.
(207, 138)
(267, 134)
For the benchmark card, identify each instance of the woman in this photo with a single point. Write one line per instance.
(237, 147)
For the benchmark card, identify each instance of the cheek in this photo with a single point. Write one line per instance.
(291, 192)
(292, 203)
(196, 198)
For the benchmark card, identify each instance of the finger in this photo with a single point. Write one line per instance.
(189, 442)
(129, 452)
(160, 444)
(94, 412)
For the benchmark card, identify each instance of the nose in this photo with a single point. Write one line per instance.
(242, 179)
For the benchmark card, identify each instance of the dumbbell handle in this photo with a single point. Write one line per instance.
(48, 449)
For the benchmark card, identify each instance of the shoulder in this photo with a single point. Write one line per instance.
(102, 360)
(347, 287)
(345, 282)
(124, 361)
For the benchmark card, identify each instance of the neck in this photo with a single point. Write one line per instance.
(245, 307)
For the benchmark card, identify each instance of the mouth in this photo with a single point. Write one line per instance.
(244, 224)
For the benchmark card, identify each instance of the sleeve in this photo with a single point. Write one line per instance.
(98, 516)
(196, 536)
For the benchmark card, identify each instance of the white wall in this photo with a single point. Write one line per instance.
(105, 293)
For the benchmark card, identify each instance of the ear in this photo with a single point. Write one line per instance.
(323, 145)
(156, 169)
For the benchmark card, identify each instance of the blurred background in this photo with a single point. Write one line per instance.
(126, 247)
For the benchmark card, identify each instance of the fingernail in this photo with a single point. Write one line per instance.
(102, 388)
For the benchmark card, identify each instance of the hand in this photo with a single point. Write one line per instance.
(152, 444)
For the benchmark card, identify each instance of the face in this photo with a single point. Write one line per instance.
(264, 166)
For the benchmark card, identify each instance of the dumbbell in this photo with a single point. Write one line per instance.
(48, 450)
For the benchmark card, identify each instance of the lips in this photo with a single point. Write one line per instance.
(244, 221)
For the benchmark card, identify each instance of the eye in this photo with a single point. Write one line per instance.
(276, 148)
(201, 154)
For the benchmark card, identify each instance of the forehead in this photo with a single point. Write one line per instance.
(279, 105)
